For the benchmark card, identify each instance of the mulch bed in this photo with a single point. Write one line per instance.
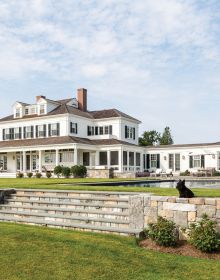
(183, 248)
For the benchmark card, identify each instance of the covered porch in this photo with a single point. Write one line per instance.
(30, 159)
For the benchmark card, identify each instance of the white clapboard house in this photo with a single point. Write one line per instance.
(39, 136)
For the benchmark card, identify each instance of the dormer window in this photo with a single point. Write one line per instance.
(18, 113)
(42, 109)
(26, 112)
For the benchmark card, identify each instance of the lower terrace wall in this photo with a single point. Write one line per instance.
(145, 209)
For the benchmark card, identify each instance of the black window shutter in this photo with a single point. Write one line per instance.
(190, 161)
(24, 132)
(45, 130)
(71, 125)
(202, 161)
(88, 131)
(20, 136)
(32, 131)
(58, 129)
(158, 160)
(49, 129)
(96, 130)
(36, 130)
(76, 128)
(148, 161)
(134, 133)
(3, 134)
(110, 129)
(126, 132)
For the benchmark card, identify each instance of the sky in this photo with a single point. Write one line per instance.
(157, 60)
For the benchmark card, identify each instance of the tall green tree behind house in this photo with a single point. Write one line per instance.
(149, 138)
(166, 138)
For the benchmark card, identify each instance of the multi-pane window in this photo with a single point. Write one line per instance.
(42, 109)
(41, 130)
(8, 134)
(54, 129)
(153, 160)
(26, 111)
(130, 132)
(66, 155)
(197, 161)
(28, 132)
(174, 162)
(73, 128)
(50, 156)
(99, 130)
(18, 113)
(3, 162)
(106, 129)
(17, 133)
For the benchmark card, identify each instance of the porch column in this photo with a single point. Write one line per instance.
(96, 159)
(128, 164)
(57, 157)
(75, 156)
(120, 160)
(24, 161)
(142, 162)
(135, 162)
(40, 161)
(108, 159)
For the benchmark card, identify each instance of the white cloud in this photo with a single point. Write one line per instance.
(160, 53)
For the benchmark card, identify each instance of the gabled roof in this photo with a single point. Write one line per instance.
(63, 108)
(182, 145)
(110, 113)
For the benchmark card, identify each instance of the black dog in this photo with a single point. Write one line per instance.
(4, 193)
(183, 190)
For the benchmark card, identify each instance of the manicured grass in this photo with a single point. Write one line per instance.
(34, 253)
(71, 184)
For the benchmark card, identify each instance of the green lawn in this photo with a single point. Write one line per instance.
(29, 252)
(72, 184)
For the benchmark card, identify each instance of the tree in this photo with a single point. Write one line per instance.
(166, 138)
(149, 138)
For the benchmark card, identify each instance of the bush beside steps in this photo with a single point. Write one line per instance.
(202, 236)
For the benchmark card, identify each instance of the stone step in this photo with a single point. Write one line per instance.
(66, 211)
(75, 193)
(69, 198)
(113, 222)
(75, 205)
(71, 225)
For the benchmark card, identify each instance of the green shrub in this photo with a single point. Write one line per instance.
(204, 236)
(66, 172)
(20, 175)
(78, 171)
(30, 174)
(58, 170)
(38, 175)
(48, 174)
(164, 232)
(216, 173)
(185, 173)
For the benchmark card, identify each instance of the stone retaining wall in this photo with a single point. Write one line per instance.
(146, 208)
(182, 211)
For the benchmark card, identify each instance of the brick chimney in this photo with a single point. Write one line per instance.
(39, 97)
(82, 99)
